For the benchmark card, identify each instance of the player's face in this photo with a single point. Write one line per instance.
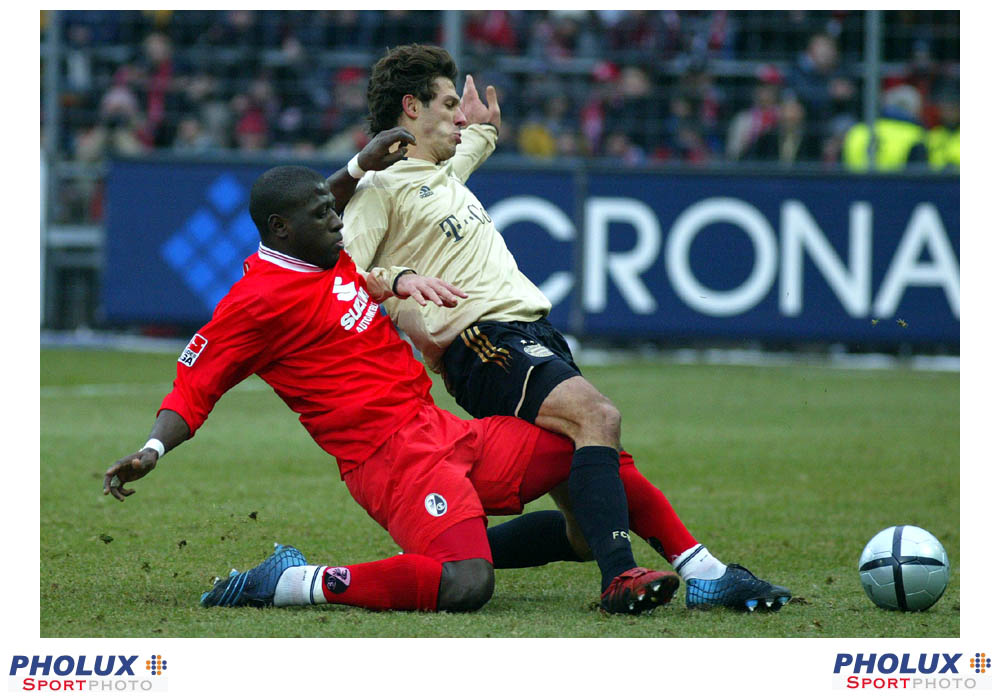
(438, 127)
(314, 229)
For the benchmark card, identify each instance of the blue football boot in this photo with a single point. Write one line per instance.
(256, 586)
(738, 589)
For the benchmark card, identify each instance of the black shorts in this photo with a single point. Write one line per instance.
(496, 368)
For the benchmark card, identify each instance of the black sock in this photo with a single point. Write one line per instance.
(599, 505)
(530, 540)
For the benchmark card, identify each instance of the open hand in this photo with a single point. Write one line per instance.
(423, 289)
(474, 109)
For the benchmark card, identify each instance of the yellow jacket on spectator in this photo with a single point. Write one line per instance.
(897, 142)
(943, 147)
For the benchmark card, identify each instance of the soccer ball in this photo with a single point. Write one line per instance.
(904, 568)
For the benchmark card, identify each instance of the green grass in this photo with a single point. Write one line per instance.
(788, 470)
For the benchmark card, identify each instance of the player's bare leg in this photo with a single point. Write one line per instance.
(576, 409)
(465, 585)
(710, 582)
(596, 497)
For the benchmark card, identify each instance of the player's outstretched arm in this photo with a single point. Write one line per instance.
(386, 148)
(473, 152)
(170, 430)
(428, 289)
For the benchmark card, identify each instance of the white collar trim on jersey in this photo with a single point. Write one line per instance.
(285, 261)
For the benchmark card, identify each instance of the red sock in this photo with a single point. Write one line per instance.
(650, 514)
(403, 582)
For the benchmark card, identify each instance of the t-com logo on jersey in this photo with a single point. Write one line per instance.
(925, 671)
(82, 673)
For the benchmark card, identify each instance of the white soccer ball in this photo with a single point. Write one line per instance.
(904, 568)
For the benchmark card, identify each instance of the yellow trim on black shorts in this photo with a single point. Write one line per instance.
(476, 341)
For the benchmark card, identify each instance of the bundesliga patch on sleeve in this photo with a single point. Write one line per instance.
(193, 349)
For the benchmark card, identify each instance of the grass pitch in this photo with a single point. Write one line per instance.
(787, 470)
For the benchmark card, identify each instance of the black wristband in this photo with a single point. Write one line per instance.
(396, 281)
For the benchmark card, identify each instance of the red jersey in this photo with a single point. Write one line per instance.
(319, 341)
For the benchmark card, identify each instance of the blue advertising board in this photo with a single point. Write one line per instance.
(831, 258)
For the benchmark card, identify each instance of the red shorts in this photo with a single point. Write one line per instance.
(439, 470)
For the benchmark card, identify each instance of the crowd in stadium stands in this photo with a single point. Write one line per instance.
(639, 87)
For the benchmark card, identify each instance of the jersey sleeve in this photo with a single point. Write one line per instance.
(231, 347)
(366, 222)
(478, 142)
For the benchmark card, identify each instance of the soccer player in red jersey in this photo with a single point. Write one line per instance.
(306, 320)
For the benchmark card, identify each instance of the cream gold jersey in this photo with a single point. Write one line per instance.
(419, 215)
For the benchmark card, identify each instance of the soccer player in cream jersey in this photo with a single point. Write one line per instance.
(496, 351)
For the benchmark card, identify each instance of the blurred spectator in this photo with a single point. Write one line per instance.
(111, 137)
(251, 129)
(157, 69)
(922, 72)
(349, 141)
(489, 31)
(685, 137)
(820, 84)
(943, 151)
(79, 58)
(637, 35)
(634, 109)
(706, 32)
(698, 85)
(793, 143)
(237, 30)
(202, 100)
(348, 28)
(191, 138)
(117, 132)
(571, 144)
(900, 138)
(535, 140)
(344, 124)
(603, 77)
(99, 27)
(406, 27)
(255, 111)
(828, 95)
(563, 34)
(750, 130)
(689, 145)
(540, 133)
(121, 99)
(618, 146)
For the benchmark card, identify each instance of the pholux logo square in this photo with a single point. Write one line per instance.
(83, 673)
(925, 671)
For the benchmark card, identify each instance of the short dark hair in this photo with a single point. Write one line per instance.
(278, 191)
(405, 70)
